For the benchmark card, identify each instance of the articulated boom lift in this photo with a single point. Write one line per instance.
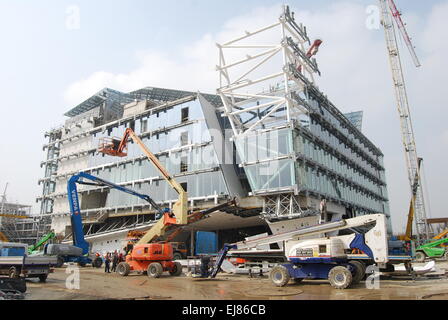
(75, 209)
(154, 258)
(179, 214)
(34, 248)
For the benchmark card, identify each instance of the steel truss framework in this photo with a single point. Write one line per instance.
(251, 112)
(247, 109)
(285, 206)
(280, 206)
(285, 104)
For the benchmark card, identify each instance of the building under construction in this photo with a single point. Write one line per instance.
(17, 224)
(282, 149)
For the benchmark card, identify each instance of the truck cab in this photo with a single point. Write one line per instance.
(15, 263)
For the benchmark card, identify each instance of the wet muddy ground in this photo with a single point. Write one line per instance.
(96, 285)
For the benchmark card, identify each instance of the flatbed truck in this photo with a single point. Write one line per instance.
(15, 263)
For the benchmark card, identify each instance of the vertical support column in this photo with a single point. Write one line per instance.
(192, 242)
(285, 62)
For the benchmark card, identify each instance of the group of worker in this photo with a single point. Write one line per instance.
(115, 258)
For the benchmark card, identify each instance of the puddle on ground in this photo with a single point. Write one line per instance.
(436, 296)
(272, 292)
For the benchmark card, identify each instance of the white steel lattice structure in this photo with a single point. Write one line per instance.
(283, 206)
(390, 14)
(242, 79)
(263, 78)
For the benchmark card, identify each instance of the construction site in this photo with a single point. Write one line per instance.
(261, 190)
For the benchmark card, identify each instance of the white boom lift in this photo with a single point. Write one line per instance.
(326, 257)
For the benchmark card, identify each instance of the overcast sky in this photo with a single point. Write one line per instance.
(54, 54)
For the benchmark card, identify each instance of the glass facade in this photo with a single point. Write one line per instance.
(320, 155)
(265, 159)
(181, 143)
(164, 133)
(355, 118)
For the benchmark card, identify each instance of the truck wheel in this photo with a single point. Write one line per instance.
(123, 269)
(280, 276)
(97, 263)
(177, 270)
(177, 256)
(155, 270)
(60, 262)
(340, 277)
(13, 273)
(360, 271)
(420, 256)
(43, 278)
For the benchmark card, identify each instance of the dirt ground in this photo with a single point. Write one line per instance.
(96, 285)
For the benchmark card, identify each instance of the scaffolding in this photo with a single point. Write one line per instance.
(17, 224)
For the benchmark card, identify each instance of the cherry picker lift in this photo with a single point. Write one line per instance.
(322, 258)
(147, 256)
(81, 254)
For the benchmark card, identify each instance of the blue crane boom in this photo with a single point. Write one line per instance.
(75, 209)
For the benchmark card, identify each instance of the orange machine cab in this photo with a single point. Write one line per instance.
(152, 252)
(144, 255)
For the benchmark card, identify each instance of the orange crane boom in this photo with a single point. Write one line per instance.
(179, 214)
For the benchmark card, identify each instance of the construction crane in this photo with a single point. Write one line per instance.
(391, 18)
(2, 210)
(408, 235)
(179, 215)
(4, 198)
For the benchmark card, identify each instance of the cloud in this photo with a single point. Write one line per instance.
(340, 25)
(193, 68)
